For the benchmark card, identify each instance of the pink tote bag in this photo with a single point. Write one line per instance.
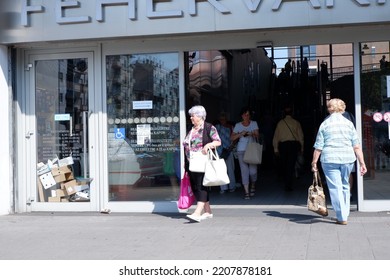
(186, 198)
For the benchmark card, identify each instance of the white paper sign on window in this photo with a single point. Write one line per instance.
(143, 134)
(141, 105)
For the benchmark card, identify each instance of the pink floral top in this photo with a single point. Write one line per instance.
(196, 142)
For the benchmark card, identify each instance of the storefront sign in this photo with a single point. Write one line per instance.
(44, 21)
(253, 6)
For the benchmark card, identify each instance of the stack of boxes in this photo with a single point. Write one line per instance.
(57, 184)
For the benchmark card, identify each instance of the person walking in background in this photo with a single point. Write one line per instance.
(338, 146)
(288, 144)
(283, 82)
(246, 131)
(225, 130)
(383, 63)
(304, 71)
(201, 137)
(288, 68)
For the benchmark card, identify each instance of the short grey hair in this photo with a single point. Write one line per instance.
(198, 111)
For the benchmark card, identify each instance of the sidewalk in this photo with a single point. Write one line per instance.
(235, 233)
(275, 225)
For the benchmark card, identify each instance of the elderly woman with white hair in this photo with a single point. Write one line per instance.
(201, 137)
(338, 145)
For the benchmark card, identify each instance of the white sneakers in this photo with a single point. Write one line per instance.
(198, 218)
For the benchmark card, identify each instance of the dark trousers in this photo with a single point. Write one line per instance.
(201, 192)
(288, 151)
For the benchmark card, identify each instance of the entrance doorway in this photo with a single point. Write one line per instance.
(258, 78)
(227, 80)
(58, 137)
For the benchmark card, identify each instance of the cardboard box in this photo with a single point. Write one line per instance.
(47, 180)
(61, 193)
(70, 183)
(63, 177)
(76, 188)
(73, 186)
(54, 199)
(61, 170)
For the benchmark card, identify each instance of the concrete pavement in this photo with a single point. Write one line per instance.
(235, 233)
(275, 225)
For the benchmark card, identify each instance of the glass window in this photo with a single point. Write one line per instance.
(61, 99)
(207, 78)
(307, 51)
(143, 126)
(375, 96)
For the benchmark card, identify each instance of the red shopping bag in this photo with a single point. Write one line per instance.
(186, 197)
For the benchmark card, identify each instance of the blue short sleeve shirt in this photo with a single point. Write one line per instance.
(336, 138)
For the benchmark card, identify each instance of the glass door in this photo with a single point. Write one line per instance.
(375, 104)
(143, 132)
(59, 133)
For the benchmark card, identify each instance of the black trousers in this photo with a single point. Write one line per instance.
(201, 192)
(288, 151)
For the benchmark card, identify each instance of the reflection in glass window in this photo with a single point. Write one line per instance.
(61, 103)
(207, 78)
(143, 126)
(375, 96)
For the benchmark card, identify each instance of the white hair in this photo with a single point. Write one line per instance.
(198, 111)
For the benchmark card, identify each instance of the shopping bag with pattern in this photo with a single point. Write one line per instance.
(316, 201)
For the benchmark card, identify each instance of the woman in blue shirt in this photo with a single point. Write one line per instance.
(338, 145)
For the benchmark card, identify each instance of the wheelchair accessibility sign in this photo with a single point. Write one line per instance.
(120, 133)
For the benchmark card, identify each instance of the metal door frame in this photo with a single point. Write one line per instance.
(27, 161)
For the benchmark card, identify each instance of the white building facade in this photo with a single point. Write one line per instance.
(100, 85)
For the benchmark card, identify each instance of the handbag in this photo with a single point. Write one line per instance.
(197, 161)
(186, 198)
(216, 170)
(225, 153)
(316, 201)
(253, 153)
